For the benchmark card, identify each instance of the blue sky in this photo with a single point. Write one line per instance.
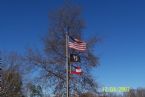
(120, 24)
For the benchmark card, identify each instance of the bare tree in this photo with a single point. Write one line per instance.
(88, 94)
(11, 78)
(35, 90)
(52, 59)
(140, 92)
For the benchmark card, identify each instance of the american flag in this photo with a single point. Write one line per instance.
(77, 45)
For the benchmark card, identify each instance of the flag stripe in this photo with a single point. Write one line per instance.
(77, 48)
(77, 43)
(71, 45)
(74, 72)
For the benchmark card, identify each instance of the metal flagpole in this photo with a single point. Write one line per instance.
(67, 66)
(0, 75)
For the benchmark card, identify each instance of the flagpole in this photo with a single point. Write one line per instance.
(67, 65)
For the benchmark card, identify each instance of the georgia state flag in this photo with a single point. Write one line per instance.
(78, 70)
